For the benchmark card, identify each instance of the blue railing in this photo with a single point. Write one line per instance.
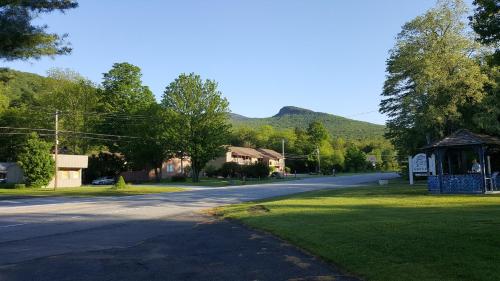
(456, 184)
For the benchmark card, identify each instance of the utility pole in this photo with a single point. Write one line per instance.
(319, 161)
(283, 153)
(56, 152)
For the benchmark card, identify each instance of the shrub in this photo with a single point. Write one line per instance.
(179, 178)
(257, 170)
(19, 186)
(211, 171)
(230, 170)
(36, 161)
(7, 185)
(120, 183)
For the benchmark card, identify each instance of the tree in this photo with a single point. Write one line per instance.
(317, 133)
(123, 91)
(75, 97)
(36, 161)
(200, 117)
(485, 21)
(434, 83)
(104, 164)
(355, 159)
(122, 97)
(154, 142)
(20, 39)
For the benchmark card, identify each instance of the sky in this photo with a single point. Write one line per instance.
(323, 55)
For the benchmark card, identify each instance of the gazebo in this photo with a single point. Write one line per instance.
(466, 162)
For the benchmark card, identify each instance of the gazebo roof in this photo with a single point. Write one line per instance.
(464, 138)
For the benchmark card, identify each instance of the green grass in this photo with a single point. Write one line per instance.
(396, 232)
(86, 191)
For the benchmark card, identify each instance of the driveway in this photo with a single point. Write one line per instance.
(154, 237)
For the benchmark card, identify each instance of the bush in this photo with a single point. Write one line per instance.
(36, 161)
(120, 183)
(230, 170)
(179, 178)
(257, 170)
(211, 171)
(7, 185)
(19, 186)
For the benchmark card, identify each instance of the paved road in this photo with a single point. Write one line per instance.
(153, 237)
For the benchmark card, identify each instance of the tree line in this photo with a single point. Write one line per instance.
(120, 116)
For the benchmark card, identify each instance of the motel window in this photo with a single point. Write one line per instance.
(170, 168)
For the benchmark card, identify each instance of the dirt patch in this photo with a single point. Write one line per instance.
(258, 209)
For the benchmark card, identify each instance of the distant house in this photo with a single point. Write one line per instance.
(248, 156)
(69, 173)
(171, 167)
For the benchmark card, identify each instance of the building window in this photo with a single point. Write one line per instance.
(64, 175)
(170, 168)
(74, 175)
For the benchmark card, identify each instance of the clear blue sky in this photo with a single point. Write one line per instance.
(327, 56)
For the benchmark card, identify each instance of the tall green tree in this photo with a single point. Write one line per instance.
(121, 98)
(200, 117)
(21, 39)
(434, 84)
(154, 142)
(485, 21)
(75, 97)
(123, 90)
(36, 161)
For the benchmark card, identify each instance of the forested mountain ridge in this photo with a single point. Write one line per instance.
(14, 84)
(290, 117)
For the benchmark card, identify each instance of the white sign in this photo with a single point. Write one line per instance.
(419, 162)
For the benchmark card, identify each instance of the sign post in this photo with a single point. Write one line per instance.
(410, 169)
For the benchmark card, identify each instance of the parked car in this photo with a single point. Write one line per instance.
(103, 181)
(4, 180)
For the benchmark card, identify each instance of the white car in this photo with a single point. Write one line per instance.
(104, 181)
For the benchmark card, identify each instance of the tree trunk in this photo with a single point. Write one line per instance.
(157, 174)
(195, 174)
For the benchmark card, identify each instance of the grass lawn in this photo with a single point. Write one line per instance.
(86, 191)
(395, 232)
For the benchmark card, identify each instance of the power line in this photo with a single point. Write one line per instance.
(70, 132)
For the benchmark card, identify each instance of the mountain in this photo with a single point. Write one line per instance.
(290, 117)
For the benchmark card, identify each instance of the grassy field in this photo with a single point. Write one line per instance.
(396, 232)
(86, 191)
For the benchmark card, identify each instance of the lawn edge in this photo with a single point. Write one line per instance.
(211, 212)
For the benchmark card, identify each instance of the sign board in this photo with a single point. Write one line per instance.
(419, 163)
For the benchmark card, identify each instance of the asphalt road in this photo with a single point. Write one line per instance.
(154, 237)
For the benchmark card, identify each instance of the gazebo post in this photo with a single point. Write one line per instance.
(482, 163)
(440, 168)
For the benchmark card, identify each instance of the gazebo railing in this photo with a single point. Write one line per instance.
(467, 184)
